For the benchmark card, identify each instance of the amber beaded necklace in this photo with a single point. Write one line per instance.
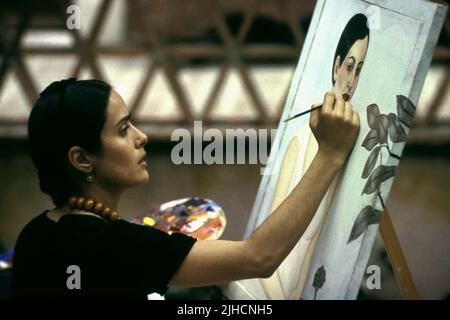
(96, 207)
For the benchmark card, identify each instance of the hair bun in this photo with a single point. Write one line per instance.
(57, 87)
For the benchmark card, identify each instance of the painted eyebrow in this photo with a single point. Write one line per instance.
(124, 119)
(354, 60)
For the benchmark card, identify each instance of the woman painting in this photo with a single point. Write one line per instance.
(288, 281)
(87, 153)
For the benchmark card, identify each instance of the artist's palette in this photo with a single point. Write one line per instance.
(200, 218)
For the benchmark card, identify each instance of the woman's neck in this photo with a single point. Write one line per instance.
(56, 214)
(108, 198)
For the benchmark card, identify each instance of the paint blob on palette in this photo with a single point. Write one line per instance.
(200, 218)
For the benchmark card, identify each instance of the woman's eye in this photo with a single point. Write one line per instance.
(349, 67)
(124, 129)
(358, 71)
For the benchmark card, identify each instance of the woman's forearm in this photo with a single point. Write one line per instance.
(336, 128)
(279, 233)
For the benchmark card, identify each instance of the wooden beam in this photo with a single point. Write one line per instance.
(137, 101)
(177, 89)
(207, 110)
(257, 101)
(248, 20)
(397, 258)
(219, 20)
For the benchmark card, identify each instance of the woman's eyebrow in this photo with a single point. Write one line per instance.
(124, 119)
(352, 57)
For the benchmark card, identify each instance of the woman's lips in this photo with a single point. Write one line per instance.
(143, 158)
(143, 163)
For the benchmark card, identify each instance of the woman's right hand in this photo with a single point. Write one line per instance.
(335, 127)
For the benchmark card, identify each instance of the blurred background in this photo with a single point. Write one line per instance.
(228, 63)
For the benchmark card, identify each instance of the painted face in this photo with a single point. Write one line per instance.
(120, 165)
(346, 72)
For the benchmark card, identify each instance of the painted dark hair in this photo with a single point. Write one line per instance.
(68, 113)
(356, 29)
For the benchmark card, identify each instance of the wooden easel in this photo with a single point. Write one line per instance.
(397, 258)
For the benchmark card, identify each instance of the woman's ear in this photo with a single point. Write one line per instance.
(80, 160)
(337, 65)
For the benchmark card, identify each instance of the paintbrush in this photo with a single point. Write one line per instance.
(345, 96)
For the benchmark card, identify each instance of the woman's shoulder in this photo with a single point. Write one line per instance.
(36, 225)
(44, 224)
(37, 220)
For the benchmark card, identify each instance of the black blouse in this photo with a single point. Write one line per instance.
(114, 259)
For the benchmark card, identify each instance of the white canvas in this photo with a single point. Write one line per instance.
(334, 250)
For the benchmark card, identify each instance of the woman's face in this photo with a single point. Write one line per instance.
(120, 166)
(346, 72)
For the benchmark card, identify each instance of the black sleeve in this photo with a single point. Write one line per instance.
(150, 257)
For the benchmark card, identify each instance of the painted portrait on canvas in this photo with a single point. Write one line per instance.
(348, 61)
(376, 54)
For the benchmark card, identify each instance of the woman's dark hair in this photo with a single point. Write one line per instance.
(68, 113)
(356, 29)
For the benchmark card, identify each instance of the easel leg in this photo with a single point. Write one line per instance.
(397, 258)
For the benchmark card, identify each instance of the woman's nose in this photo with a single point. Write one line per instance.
(143, 139)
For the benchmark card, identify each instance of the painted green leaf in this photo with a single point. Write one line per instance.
(371, 162)
(372, 113)
(396, 131)
(379, 175)
(367, 216)
(405, 110)
(371, 139)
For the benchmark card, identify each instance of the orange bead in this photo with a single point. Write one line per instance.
(114, 216)
(89, 204)
(80, 203)
(73, 202)
(107, 211)
(98, 207)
